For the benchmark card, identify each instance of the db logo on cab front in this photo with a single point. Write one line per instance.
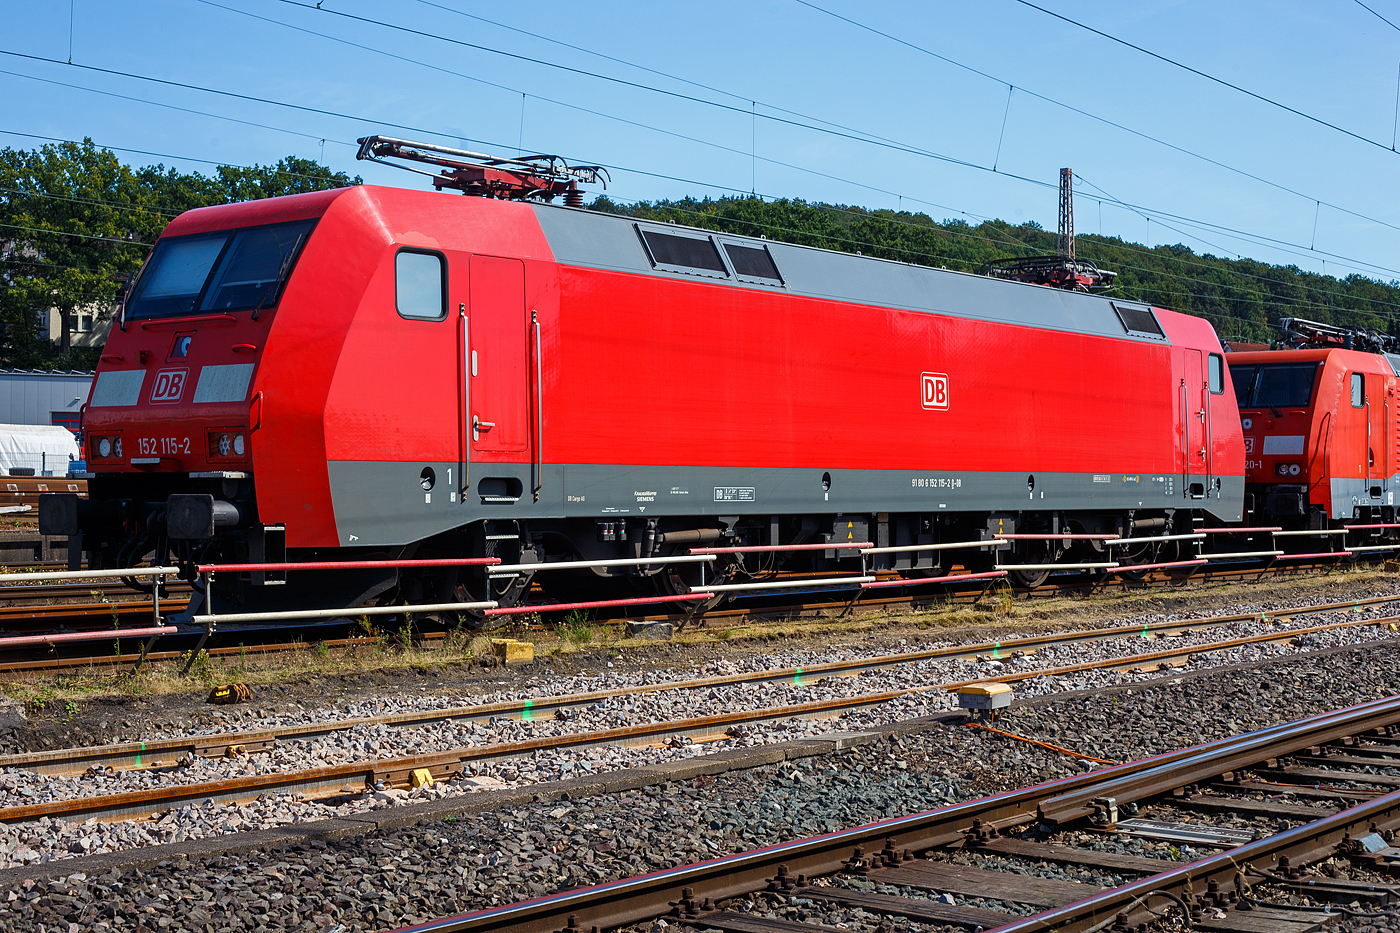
(170, 385)
(935, 390)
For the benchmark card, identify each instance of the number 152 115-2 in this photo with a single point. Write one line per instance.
(164, 445)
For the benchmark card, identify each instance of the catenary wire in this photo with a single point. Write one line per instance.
(146, 152)
(153, 103)
(1207, 76)
(845, 130)
(1007, 241)
(901, 147)
(1266, 240)
(1092, 116)
(116, 205)
(1377, 15)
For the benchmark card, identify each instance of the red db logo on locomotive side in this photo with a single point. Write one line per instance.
(170, 385)
(935, 387)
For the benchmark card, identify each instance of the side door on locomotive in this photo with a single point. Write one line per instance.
(496, 336)
(1202, 381)
(1363, 445)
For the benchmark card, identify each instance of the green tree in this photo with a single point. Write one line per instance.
(76, 223)
(1242, 298)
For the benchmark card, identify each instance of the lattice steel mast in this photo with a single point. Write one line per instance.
(1064, 243)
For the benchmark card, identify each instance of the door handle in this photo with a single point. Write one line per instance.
(478, 426)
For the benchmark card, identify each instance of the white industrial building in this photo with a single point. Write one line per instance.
(32, 396)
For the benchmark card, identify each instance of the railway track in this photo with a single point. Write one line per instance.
(99, 616)
(346, 780)
(935, 859)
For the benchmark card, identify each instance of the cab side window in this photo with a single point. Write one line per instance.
(1358, 390)
(1217, 374)
(420, 290)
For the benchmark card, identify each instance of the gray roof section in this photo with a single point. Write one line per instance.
(607, 241)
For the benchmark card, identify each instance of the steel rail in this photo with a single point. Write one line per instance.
(1329, 727)
(447, 764)
(336, 779)
(131, 754)
(1302, 844)
(634, 900)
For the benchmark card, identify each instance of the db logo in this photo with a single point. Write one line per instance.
(935, 390)
(170, 384)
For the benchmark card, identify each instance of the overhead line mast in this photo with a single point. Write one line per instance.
(1062, 270)
(1064, 242)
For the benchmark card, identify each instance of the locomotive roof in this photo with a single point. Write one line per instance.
(593, 239)
(613, 242)
(1360, 360)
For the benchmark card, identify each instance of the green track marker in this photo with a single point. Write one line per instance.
(797, 678)
(525, 714)
(996, 649)
(138, 754)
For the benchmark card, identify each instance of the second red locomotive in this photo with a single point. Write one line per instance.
(1321, 428)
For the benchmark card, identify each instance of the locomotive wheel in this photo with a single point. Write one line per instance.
(1143, 555)
(1027, 579)
(507, 591)
(1032, 552)
(679, 579)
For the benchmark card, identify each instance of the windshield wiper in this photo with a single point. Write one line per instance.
(1260, 397)
(281, 274)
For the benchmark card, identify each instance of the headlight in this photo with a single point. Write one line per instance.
(1294, 469)
(225, 445)
(117, 446)
(104, 447)
(1282, 469)
(238, 445)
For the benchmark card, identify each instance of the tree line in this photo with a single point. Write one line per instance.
(1242, 298)
(76, 223)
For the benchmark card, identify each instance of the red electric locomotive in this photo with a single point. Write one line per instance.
(1321, 425)
(377, 372)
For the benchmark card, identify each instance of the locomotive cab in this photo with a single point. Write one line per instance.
(170, 423)
(1320, 429)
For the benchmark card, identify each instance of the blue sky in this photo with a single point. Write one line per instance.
(779, 97)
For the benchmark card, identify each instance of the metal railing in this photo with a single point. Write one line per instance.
(11, 582)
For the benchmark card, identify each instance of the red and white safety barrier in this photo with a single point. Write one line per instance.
(212, 620)
(504, 569)
(599, 604)
(54, 638)
(50, 576)
(921, 581)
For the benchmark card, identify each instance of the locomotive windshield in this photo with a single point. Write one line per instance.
(1273, 385)
(232, 270)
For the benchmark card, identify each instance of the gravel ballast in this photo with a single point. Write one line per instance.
(41, 841)
(396, 875)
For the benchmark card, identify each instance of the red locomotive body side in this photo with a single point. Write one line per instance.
(1320, 430)
(440, 373)
(818, 385)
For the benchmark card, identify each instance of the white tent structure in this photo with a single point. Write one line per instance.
(44, 448)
